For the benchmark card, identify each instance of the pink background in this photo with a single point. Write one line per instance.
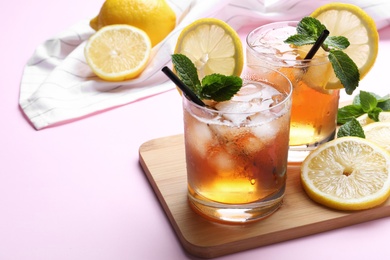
(76, 191)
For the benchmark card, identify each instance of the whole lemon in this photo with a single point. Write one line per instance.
(155, 17)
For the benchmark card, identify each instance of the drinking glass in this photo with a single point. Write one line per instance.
(236, 151)
(314, 108)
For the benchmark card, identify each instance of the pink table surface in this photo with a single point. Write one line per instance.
(77, 191)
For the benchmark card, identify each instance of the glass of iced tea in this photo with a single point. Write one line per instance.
(314, 108)
(236, 150)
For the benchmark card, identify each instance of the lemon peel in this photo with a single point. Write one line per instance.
(155, 17)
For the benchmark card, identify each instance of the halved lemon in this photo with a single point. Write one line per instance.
(358, 27)
(118, 52)
(379, 133)
(213, 46)
(364, 120)
(348, 173)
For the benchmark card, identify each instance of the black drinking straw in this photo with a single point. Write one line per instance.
(317, 44)
(186, 90)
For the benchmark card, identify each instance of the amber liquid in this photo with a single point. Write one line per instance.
(245, 178)
(314, 109)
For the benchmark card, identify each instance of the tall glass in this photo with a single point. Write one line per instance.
(314, 108)
(236, 151)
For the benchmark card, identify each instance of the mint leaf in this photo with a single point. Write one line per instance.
(186, 71)
(351, 128)
(356, 99)
(310, 26)
(220, 87)
(299, 40)
(308, 29)
(384, 103)
(374, 113)
(345, 69)
(367, 101)
(338, 42)
(346, 113)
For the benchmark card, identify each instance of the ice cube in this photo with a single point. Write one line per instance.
(235, 112)
(224, 163)
(199, 136)
(261, 118)
(251, 144)
(277, 99)
(267, 131)
(248, 92)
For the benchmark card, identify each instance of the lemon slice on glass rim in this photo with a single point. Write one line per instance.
(348, 173)
(358, 27)
(213, 46)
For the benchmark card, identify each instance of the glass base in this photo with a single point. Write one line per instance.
(235, 213)
(297, 154)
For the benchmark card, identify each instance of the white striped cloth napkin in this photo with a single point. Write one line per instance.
(58, 86)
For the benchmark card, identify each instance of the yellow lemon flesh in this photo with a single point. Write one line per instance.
(213, 46)
(379, 133)
(358, 27)
(118, 52)
(348, 173)
(364, 120)
(155, 17)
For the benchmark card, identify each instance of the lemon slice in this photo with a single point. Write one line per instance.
(364, 120)
(348, 173)
(358, 27)
(379, 133)
(213, 46)
(118, 52)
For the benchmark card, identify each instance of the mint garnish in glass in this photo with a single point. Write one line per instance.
(215, 87)
(309, 30)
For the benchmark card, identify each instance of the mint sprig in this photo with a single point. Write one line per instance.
(308, 31)
(365, 102)
(216, 87)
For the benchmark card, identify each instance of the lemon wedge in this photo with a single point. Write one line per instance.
(348, 173)
(118, 52)
(379, 133)
(213, 46)
(358, 27)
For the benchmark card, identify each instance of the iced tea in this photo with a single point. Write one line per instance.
(236, 151)
(314, 109)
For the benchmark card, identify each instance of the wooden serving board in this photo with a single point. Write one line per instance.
(163, 161)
